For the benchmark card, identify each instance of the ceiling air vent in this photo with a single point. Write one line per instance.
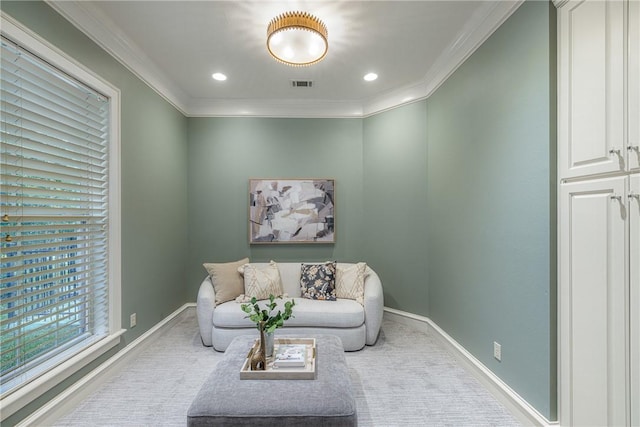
(301, 83)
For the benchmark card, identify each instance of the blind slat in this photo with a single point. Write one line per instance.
(53, 194)
(93, 226)
(13, 133)
(49, 302)
(45, 126)
(57, 220)
(56, 274)
(44, 340)
(40, 119)
(10, 160)
(53, 249)
(52, 311)
(91, 202)
(14, 90)
(34, 285)
(13, 182)
(18, 66)
(53, 211)
(21, 266)
(48, 154)
(47, 175)
(21, 102)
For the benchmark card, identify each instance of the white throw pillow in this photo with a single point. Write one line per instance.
(262, 282)
(350, 281)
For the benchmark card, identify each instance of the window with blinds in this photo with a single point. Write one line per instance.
(54, 216)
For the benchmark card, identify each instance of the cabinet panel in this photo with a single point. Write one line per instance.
(634, 85)
(592, 298)
(634, 276)
(592, 88)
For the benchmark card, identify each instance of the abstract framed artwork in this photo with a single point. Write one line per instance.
(291, 211)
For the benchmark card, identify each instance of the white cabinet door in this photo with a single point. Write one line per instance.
(591, 88)
(634, 85)
(634, 280)
(593, 325)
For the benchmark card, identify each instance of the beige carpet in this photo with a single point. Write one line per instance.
(406, 379)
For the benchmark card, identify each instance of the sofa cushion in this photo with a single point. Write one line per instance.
(318, 281)
(343, 313)
(227, 282)
(260, 282)
(350, 281)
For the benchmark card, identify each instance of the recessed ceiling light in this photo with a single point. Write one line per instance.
(219, 77)
(370, 77)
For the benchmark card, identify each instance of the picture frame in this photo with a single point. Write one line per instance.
(286, 211)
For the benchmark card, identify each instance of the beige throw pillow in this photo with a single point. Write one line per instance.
(227, 282)
(261, 282)
(350, 281)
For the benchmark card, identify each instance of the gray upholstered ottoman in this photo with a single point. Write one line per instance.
(226, 400)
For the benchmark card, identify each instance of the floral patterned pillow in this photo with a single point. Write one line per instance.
(318, 281)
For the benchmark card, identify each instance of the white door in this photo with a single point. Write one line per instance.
(593, 325)
(591, 88)
(634, 261)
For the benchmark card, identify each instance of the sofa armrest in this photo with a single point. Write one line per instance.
(373, 306)
(206, 303)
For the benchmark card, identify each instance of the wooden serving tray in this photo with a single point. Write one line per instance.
(308, 372)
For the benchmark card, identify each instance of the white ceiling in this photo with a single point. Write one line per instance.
(175, 46)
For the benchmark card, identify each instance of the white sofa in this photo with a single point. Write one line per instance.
(356, 324)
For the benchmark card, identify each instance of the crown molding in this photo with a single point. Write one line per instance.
(293, 108)
(106, 34)
(475, 32)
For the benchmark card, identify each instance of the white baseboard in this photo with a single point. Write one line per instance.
(520, 408)
(68, 400)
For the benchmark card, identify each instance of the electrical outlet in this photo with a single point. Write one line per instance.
(497, 351)
(132, 320)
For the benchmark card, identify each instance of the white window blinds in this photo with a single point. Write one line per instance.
(53, 201)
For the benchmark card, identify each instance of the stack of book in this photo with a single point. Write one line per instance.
(290, 356)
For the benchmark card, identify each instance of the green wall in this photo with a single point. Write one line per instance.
(379, 165)
(395, 202)
(225, 152)
(491, 210)
(154, 184)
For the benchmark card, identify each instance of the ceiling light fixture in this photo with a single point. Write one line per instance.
(370, 77)
(297, 38)
(219, 77)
